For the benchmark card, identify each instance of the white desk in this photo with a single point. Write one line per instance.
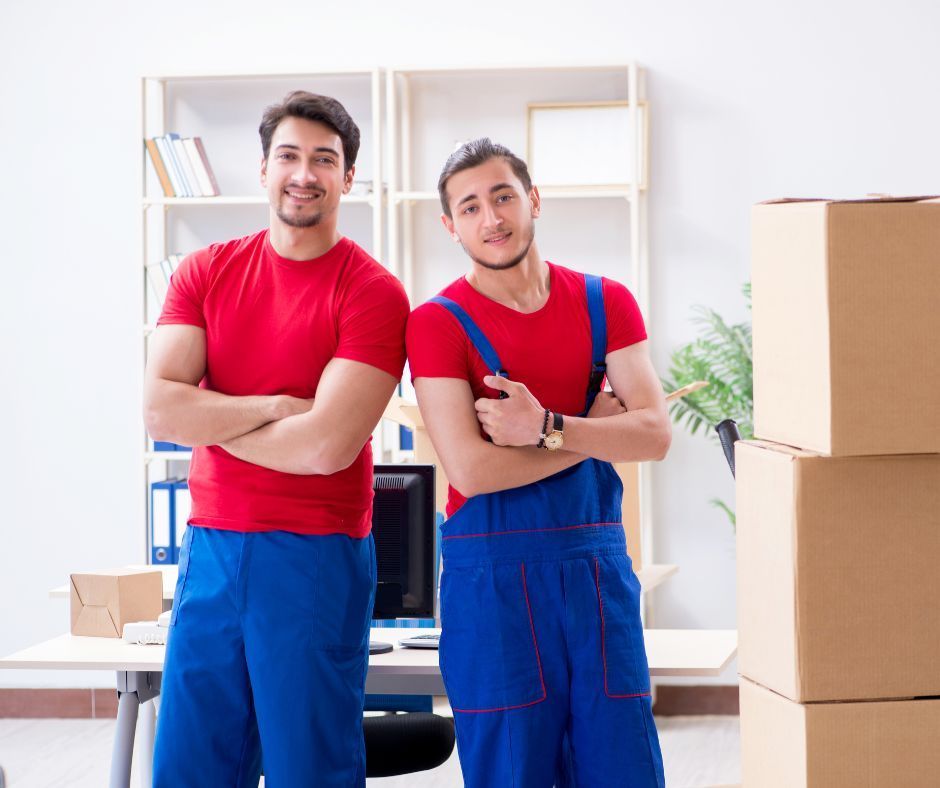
(670, 652)
(411, 671)
(649, 576)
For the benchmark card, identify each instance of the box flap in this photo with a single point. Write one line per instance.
(96, 621)
(867, 198)
(94, 589)
(781, 200)
(782, 448)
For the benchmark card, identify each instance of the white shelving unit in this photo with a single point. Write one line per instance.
(225, 110)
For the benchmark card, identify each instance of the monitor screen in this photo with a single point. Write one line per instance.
(403, 525)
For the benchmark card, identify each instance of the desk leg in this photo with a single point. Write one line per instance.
(147, 724)
(124, 731)
(133, 688)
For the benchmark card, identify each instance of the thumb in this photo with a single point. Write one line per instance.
(498, 383)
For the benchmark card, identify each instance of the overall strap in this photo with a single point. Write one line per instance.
(474, 334)
(595, 303)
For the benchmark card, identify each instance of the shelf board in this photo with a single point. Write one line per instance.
(177, 456)
(356, 72)
(653, 575)
(261, 199)
(419, 70)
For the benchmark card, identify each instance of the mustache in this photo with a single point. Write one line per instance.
(307, 187)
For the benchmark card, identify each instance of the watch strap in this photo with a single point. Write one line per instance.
(558, 423)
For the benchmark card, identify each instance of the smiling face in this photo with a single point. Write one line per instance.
(303, 173)
(492, 215)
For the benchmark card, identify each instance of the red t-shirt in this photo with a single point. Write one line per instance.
(548, 350)
(272, 325)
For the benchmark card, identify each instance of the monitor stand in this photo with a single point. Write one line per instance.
(378, 647)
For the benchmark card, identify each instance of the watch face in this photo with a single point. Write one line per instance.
(554, 441)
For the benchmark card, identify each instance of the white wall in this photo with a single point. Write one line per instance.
(748, 103)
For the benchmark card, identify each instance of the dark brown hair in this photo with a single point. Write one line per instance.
(473, 154)
(321, 109)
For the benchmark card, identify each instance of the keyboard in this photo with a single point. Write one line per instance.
(421, 641)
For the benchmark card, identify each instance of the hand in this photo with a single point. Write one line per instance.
(284, 406)
(514, 421)
(606, 404)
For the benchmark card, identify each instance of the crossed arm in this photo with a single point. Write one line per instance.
(627, 425)
(279, 432)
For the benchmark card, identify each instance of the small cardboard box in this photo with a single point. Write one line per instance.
(845, 325)
(838, 588)
(103, 602)
(837, 745)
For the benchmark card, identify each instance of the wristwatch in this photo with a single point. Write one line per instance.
(556, 439)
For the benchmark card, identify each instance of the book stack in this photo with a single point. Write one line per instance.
(158, 275)
(838, 508)
(182, 166)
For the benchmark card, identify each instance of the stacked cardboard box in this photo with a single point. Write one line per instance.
(839, 539)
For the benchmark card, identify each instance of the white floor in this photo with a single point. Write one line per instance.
(698, 751)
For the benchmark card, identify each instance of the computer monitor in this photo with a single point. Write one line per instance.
(403, 525)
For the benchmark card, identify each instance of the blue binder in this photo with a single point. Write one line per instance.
(162, 536)
(405, 439)
(167, 446)
(182, 505)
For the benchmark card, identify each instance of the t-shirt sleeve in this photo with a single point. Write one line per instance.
(372, 325)
(187, 292)
(625, 324)
(437, 345)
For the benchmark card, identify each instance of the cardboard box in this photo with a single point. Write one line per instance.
(838, 581)
(629, 473)
(837, 745)
(845, 325)
(407, 414)
(103, 602)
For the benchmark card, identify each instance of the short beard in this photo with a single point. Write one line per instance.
(512, 263)
(299, 221)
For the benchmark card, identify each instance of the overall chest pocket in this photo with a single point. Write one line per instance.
(489, 647)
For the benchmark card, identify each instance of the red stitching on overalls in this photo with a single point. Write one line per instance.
(600, 603)
(529, 530)
(538, 658)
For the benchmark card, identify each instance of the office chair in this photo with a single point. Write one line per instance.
(405, 743)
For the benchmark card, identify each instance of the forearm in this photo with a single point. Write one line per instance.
(487, 468)
(327, 437)
(287, 446)
(633, 436)
(191, 416)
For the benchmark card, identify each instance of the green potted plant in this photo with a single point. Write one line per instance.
(720, 355)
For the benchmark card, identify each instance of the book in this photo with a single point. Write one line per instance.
(184, 190)
(195, 161)
(205, 162)
(169, 161)
(188, 174)
(159, 283)
(160, 168)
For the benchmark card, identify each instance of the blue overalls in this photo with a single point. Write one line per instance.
(266, 661)
(542, 649)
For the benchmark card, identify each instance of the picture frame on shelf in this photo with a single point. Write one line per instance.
(602, 128)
